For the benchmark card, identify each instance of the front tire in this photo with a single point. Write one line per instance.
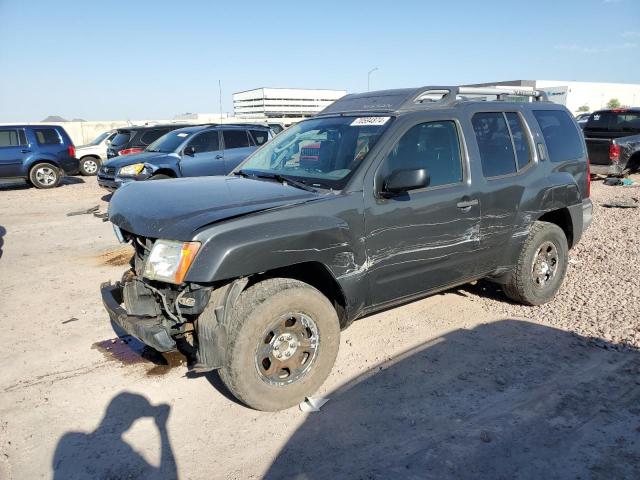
(45, 175)
(541, 266)
(89, 166)
(159, 176)
(283, 339)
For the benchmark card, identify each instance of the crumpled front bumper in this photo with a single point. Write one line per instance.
(148, 330)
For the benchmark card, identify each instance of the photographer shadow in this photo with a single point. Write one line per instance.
(104, 453)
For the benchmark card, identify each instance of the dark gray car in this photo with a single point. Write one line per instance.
(383, 198)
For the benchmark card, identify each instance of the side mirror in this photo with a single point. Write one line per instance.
(190, 150)
(401, 181)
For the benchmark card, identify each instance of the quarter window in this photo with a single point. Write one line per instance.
(260, 137)
(9, 138)
(235, 139)
(564, 141)
(434, 146)
(47, 136)
(494, 142)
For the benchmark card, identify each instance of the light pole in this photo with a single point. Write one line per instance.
(369, 78)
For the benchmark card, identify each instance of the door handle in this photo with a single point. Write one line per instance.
(218, 157)
(466, 205)
(25, 150)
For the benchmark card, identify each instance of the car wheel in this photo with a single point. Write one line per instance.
(89, 166)
(283, 338)
(159, 176)
(45, 175)
(541, 266)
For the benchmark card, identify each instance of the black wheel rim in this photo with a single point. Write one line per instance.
(288, 349)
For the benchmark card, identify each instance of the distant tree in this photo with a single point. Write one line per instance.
(613, 103)
(584, 108)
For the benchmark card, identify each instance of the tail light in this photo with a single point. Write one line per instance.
(72, 151)
(129, 151)
(588, 178)
(614, 153)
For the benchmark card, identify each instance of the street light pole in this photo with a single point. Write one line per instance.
(369, 78)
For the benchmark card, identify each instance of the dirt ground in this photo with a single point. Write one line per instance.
(447, 387)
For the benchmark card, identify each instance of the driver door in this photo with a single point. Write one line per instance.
(208, 158)
(423, 239)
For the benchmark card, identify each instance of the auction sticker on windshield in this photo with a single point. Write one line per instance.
(365, 121)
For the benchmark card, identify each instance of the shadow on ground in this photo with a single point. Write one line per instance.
(20, 184)
(103, 453)
(3, 232)
(509, 399)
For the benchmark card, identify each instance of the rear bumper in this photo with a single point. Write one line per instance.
(148, 330)
(587, 213)
(612, 169)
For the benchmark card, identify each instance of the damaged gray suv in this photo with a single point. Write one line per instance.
(381, 199)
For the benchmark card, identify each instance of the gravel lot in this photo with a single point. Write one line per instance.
(600, 297)
(458, 385)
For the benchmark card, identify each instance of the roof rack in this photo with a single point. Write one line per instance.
(386, 101)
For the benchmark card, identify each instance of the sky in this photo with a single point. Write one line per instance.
(147, 59)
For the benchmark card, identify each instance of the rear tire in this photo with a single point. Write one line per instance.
(541, 266)
(45, 175)
(296, 318)
(89, 166)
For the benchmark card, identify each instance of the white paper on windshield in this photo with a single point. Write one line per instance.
(183, 134)
(366, 121)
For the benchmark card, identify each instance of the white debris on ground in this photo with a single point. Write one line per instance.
(600, 297)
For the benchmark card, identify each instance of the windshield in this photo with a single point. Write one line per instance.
(320, 152)
(169, 142)
(99, 138)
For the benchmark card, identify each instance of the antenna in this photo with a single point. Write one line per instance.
(220, 99)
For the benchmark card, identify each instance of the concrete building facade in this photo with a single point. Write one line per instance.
(575, 95)
(283, 105)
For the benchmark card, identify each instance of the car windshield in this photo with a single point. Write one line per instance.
(99, 138)
(169, 142)
(321, 152)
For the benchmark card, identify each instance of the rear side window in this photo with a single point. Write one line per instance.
(520, 142)
(151, 136)
(494, 142)
(235, 138)
(561, 135)
(47, 136)
(10, 138)
(121, 138)
(434, 146)
(260, 137)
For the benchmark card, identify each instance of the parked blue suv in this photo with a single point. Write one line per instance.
(196, 151)
(41, 154)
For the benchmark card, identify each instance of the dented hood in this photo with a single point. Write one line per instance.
(174, 209)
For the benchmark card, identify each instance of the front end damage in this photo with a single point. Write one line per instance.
(188, 317)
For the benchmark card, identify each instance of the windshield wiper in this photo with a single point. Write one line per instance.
(152, 150)
(287, 180)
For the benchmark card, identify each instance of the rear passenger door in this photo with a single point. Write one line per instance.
(13, 150)
(207, 159)
(424, 239)
(503, 150)
(237, 146)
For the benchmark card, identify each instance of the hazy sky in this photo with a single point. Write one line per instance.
(154, 59)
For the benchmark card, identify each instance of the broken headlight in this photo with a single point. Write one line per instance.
(170, 260)
(131, 170)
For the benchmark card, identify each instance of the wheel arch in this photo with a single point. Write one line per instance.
(563, 219)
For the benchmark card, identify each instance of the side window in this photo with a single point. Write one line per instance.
(260, 137)
(628, 122)
(520, 142)
(151, 136)
(494, 143)
(434, 146)
(235, 139)
(9, 138)
(47, 136)
(563, 140)
(205, 142)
